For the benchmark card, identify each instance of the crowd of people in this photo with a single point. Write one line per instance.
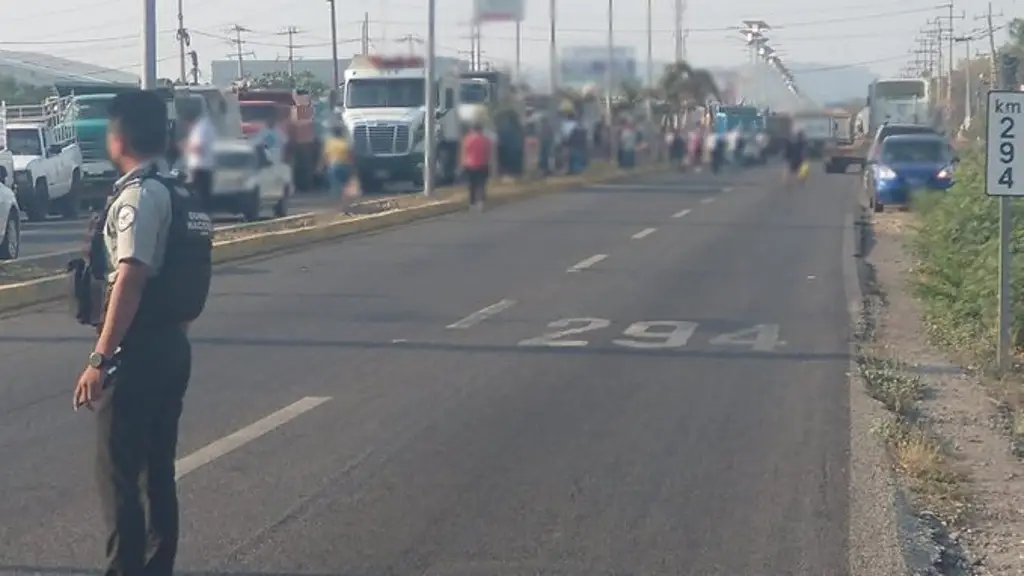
(698, 147)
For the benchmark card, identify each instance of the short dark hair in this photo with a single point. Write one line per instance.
(140, 118)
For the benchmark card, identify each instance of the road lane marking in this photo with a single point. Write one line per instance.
(653, 335)
(644, 233)
(707, 200)
(682, 213)
(243, 436)
(727, 189)
(482, 314)
(587, 263)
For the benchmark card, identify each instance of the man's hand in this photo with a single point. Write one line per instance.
(89, 388)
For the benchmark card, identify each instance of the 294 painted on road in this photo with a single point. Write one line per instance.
(652, 335)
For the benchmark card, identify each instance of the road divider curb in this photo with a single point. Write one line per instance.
(307, 229)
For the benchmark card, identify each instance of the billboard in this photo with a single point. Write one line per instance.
(582, 65)
(499, 10)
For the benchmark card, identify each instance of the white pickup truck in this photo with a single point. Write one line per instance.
(47, 159)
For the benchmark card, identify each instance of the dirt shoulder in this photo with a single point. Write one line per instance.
(952, 448)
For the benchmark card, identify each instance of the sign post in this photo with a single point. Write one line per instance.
(1004, 178)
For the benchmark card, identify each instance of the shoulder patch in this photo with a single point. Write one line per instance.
(125, 217)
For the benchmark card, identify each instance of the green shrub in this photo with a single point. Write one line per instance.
(957, 249)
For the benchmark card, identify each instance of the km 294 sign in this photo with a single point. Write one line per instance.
(1004, 151)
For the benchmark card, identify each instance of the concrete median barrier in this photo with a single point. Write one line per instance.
(261, 238)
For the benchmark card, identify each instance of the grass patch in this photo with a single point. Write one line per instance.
(955, 243)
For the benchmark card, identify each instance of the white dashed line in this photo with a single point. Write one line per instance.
(727, 189)
(584, 264)
(644, 233)
(482, 314)
(681, 213)
(236, 440)
(708, 200)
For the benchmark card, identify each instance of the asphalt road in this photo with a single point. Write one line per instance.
(421, 436)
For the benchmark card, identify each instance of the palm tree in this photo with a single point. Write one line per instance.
(631, 96)
(681, 89)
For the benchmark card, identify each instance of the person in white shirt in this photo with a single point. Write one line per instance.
(200, 159)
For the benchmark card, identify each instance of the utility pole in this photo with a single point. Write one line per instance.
(194, 57)
(239, 44)
(365, 35)
(992, 48)
(334, 51)
(968, 112)
(291, 32)
(609, 73)
(680, 9)
(650, 44)
(519, 51)
(184, 41)
(553, 52)
(149, 45)
(479, 54)
(951, 60)
(430, 117)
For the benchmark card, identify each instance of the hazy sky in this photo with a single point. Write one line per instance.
(878, 33)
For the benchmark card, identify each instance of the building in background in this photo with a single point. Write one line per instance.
(225, 72)
(43, 69)
(583, 65)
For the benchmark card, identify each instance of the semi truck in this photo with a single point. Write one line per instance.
(385, 112)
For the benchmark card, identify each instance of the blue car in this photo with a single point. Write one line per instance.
(907, 164)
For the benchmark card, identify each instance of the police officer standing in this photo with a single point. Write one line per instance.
(151, 252)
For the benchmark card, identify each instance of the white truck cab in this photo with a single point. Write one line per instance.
(47, 159)
(385, 113)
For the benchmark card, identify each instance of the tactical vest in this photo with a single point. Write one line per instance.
(178, 293)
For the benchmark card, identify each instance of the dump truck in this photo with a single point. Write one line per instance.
(295, 109)
(849, 147)
(89, 103)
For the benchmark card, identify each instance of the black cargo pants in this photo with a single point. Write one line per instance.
(137, 439)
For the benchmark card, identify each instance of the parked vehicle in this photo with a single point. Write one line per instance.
(848, 147)
(819, 129)
(385, 112)
(6, 156)
(295, 110)
(220, 105)
(907, 164)
(47, 158)
(10, 224)
(246, 181)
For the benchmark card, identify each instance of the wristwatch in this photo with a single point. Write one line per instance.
(98, 361)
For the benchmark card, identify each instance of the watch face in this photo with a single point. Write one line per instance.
(95, 360)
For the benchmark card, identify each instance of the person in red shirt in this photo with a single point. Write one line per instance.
(476, 164)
